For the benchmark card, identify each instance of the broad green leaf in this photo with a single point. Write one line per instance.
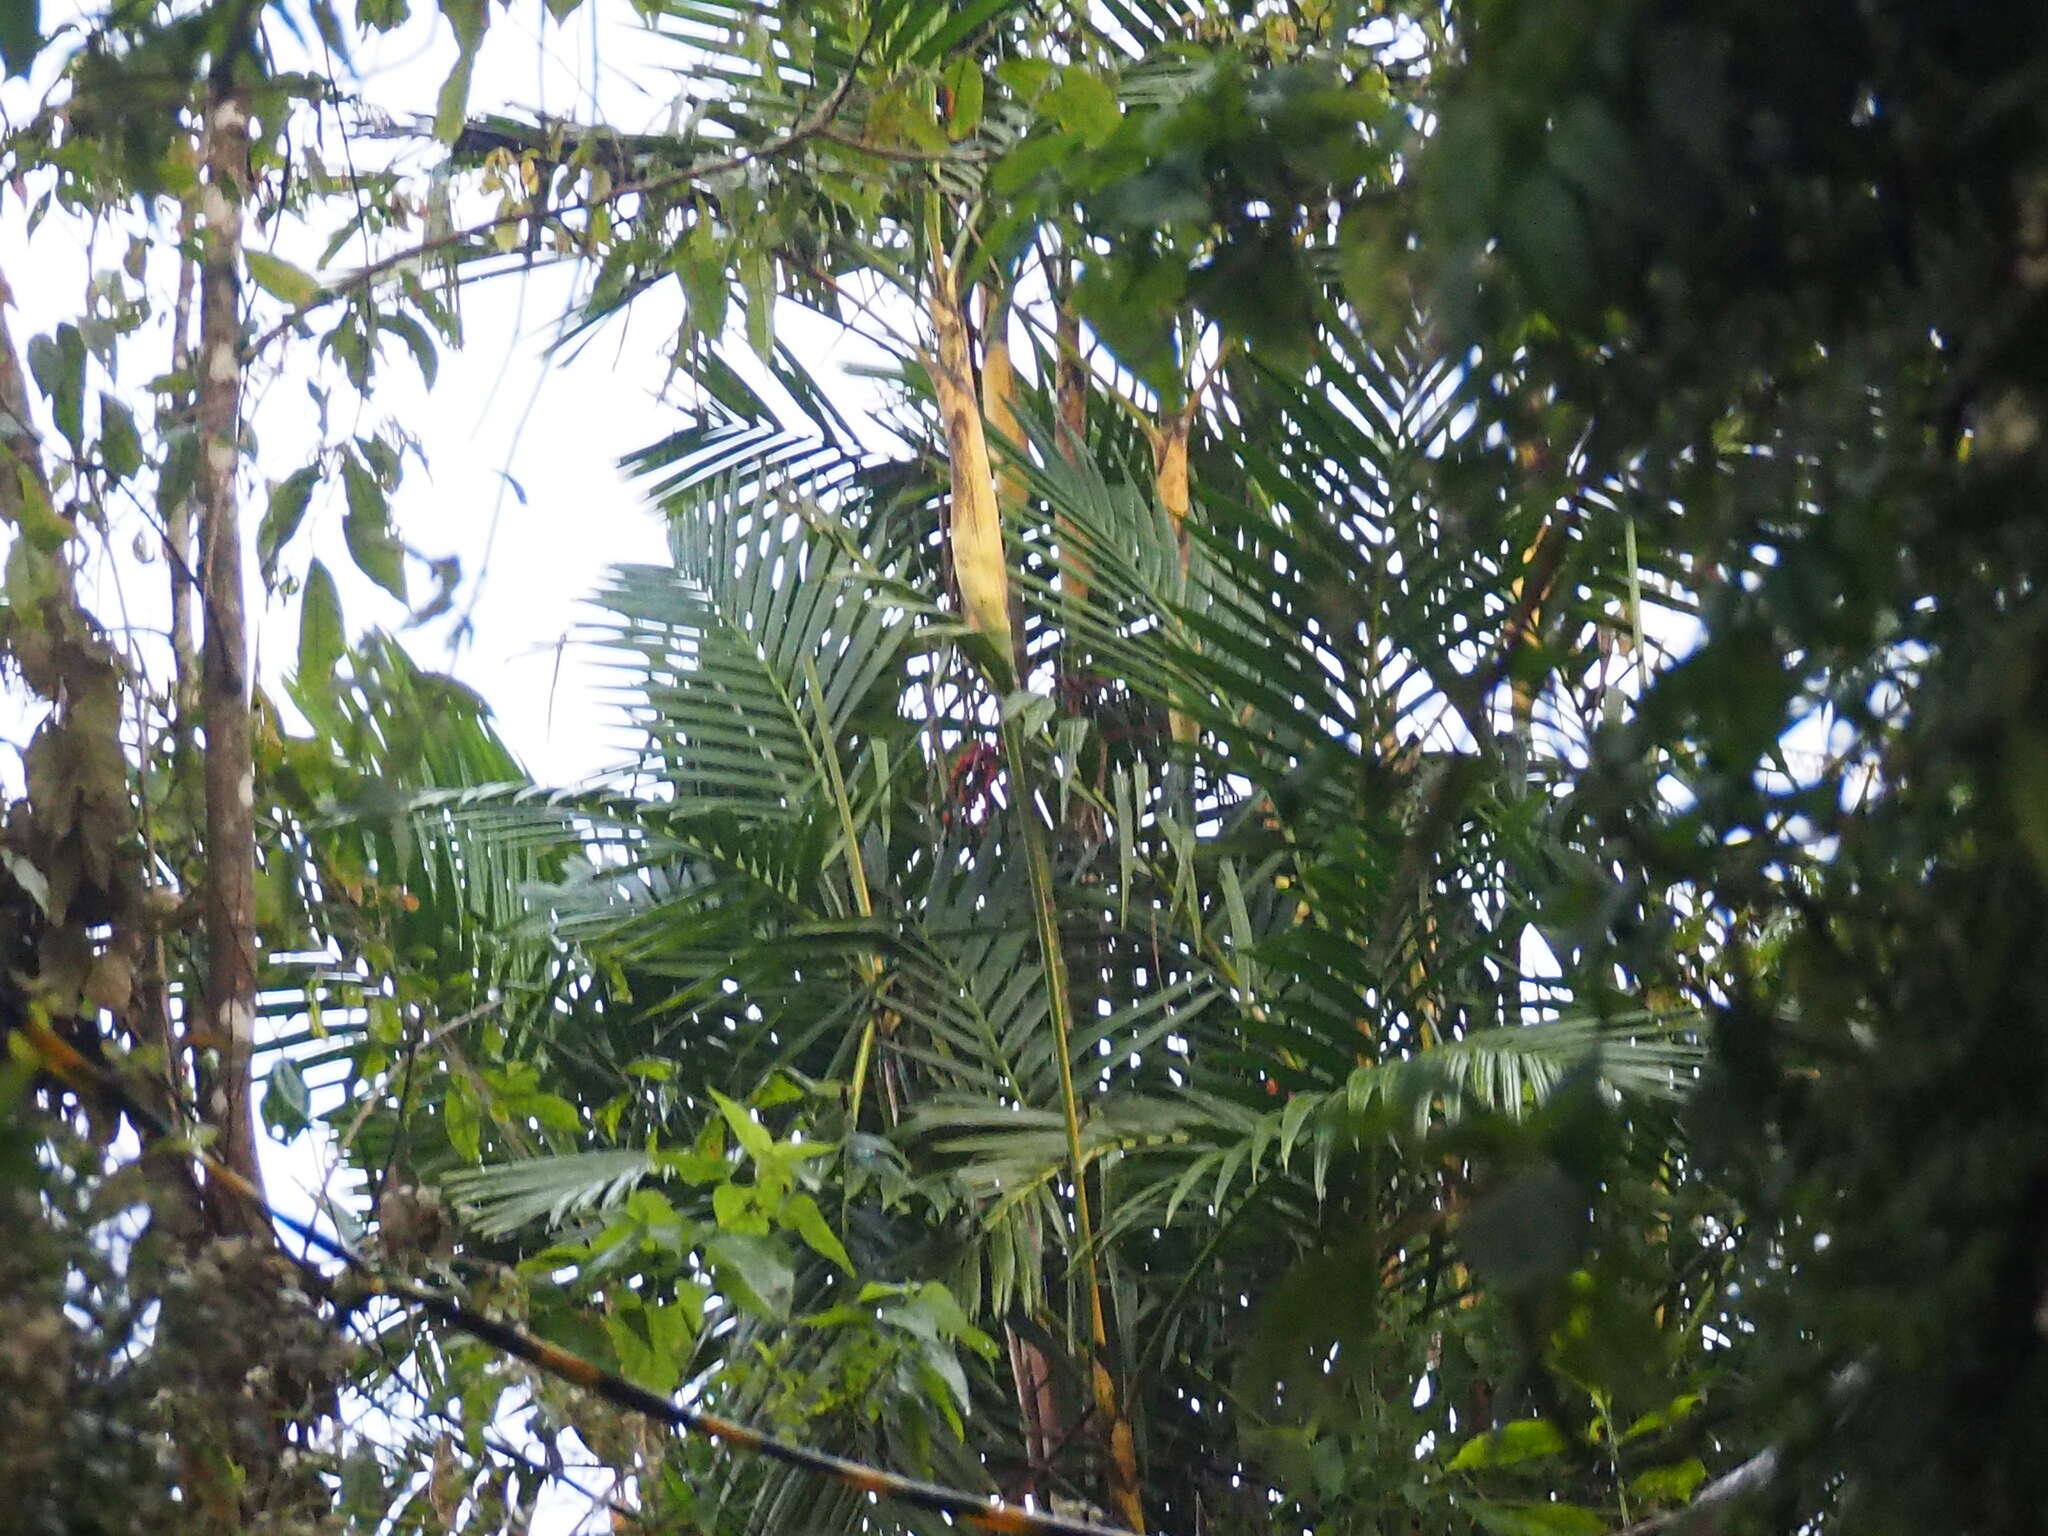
(287, 1105)
(700, 261)
(754, 1273)
(1537, 1519)
(58, 363)
(367, 529)
(1520, 1440)
(1025, 76)
(1676, 1411)
(468, 18)
(281, 518)
(321, 641)
(801, 1212)
(648, 1358)
(1084, 103)
(1669, 1485)
(120, 443)
(463, 1123)
(281, 280)
(964, 76)
(426, 357)
(752, 1134)
(738, 1209)
(21, 34)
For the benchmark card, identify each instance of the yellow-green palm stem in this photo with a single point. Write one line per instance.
(1123, 1490)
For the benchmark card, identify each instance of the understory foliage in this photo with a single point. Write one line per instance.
(1360, 849)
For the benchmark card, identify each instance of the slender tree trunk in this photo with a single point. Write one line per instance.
(1070, 394)
(178, 525)
(229, 1020)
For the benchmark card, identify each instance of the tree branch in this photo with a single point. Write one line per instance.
(811, 127)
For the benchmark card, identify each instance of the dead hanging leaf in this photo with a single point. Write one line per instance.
(110, 983)
(1170, 484)
(999, 404)
(979, 564)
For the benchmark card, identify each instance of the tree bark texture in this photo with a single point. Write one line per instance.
(229, 1015)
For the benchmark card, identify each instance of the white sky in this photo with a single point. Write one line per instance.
(499, 409)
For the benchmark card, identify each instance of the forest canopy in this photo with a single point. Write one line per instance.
(1356, 840)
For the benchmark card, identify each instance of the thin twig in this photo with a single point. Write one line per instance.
(364, 277)
(68, 1065)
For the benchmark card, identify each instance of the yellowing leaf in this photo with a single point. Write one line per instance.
(1521, 1440)
(281, 280)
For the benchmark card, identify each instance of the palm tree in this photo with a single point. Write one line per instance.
(1118, 824)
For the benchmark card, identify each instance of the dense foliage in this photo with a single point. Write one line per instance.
(1359, 851)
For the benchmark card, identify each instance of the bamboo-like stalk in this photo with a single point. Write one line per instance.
(982, 572)
(880, 1020)
(1124, 1496)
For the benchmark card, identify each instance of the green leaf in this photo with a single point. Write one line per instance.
(1521, 1440)
(645, 1360)
(1084, 103)
(460, 1117)
(738, 1210)
(281, 519)
(969, 86)
(801, 1212)
(671, 1328)
(1669, 1485)
(120, 443)
(287, 1105)
(367, 529)
(754, 1272)
(1676, 1411)
(1026, 77)
(281, 280)
(752, 1134)
(1536, 1519)
(468, 19)
(700, 263)
(779, 1089)
(424, 354)
(321, 640)
(757, 279)
(58, 363)
(696, 1167)
(21, 34)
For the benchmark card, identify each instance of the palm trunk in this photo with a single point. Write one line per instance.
(982, 572)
